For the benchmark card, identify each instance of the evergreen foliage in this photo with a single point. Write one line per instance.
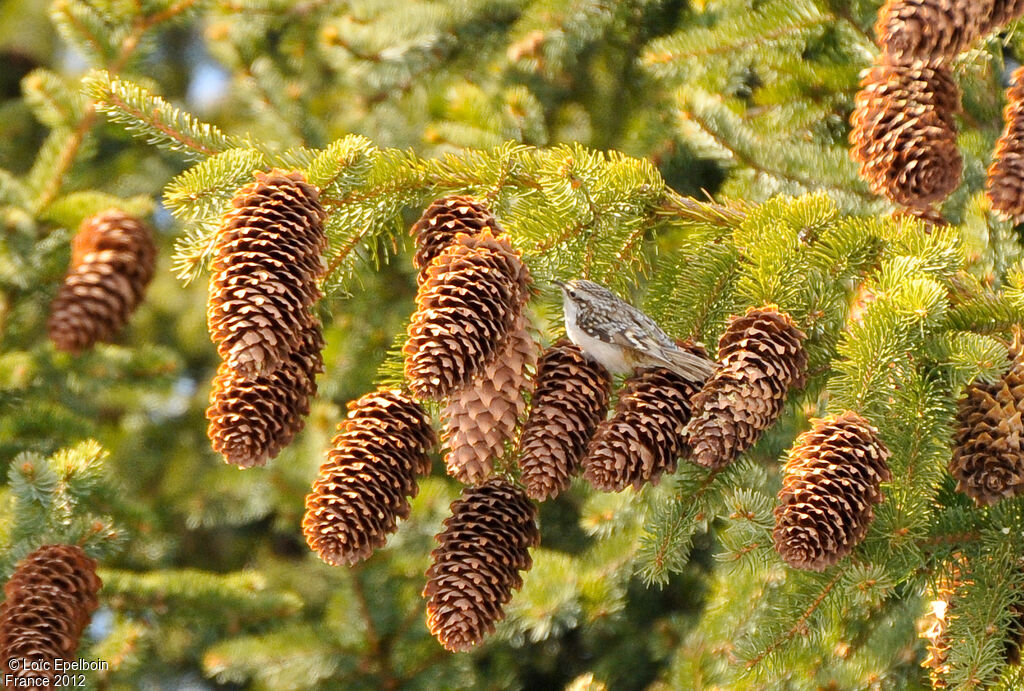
(600, 134)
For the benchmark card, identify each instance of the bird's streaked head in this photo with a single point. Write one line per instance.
(582, 290)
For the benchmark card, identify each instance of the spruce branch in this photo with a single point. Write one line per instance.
(152, 118)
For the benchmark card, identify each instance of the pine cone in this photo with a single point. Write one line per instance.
(474, 569)
(762, 357)
(1005, 185)
(571, 399)
(442, 221)
(830, 486)
(251, 421)
(113, 258)
(1004, 12)
(265, 272)
(988, 456)
(49, 601)
(466, 309)
(364, 486)
(484, 415)
(645, 435)
(930, 29)
(904, 133)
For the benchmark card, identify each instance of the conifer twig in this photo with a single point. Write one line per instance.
(801, 620)
(86, 121)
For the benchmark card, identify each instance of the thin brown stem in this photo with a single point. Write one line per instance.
(52, 187)
(800, 622)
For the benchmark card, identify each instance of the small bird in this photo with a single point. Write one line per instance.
(621, 337)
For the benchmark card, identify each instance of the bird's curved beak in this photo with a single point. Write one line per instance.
(560, 284)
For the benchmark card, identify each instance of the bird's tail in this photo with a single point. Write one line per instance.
(690, 365)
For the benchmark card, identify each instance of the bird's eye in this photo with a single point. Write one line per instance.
(572, 293)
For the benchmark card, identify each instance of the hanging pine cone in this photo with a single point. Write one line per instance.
(1005, 184)
(49, 601)
(1004, 12)
(442, 221)
(570, 400)
(904, 133)
(475, 567)
(930, 29)
(364, 486)
(829, 490)
(251, 421)
(482, 417)
(645, 436)
(112, 261)
(762, 357)
(988, 455)
(265, 270)
(466, 309)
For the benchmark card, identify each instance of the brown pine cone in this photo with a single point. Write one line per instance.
(265, 271)
(988, 455)
(831, 484)
(762, 357)
(442, 221)
(931, 29)
(475, 567)
(466, 309)
(364, 486)
(1004, 12)
(1005, 184)
(49, 601)
(904, 133)
(113, 258)
(251, 421)
(571, 399)
(482, 417)
(645, 436)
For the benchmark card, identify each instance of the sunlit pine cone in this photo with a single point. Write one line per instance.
(483, 416)
(1005, 184)
(933, 626)
(904, 134)
(267, 261)
(1004, 12)
(988, 454)
(645, 436)
(570, 400)
(113, 258)
(364, 486)
(829, 489)
(49, 601)
(252, 421)
(482, 548)
(931, 29)
(762, 357)
(466, 309)
(442, 221)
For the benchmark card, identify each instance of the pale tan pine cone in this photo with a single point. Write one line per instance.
(482, 417)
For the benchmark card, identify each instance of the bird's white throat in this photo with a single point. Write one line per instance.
(608, 355)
